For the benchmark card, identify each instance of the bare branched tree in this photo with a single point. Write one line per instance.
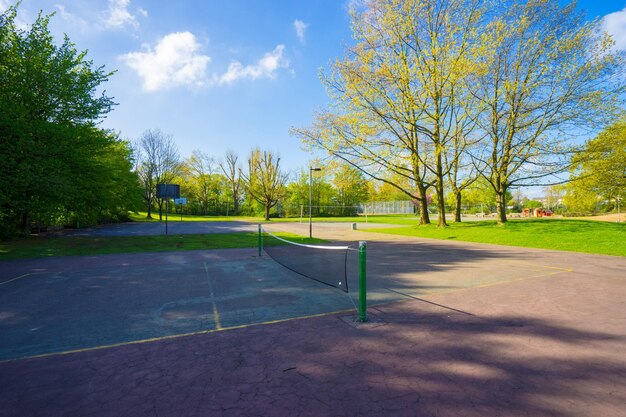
(550, 75)
(231, 170)
(158, 163)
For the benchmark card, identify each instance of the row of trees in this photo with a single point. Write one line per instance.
(232, 186)
(58, 166)
(258, 185)
(436, 94)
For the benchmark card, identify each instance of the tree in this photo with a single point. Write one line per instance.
(231, 170)
(158, 163)
(49, 110)
(264, 180)
(599, 170)
(199, 168)
(351, 188)
(461, 172)
(399, 97)
(549, 76)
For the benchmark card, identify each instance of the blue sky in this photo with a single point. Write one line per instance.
(218, 74)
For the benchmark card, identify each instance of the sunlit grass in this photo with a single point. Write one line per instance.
(569, 235)
(42, 247)
(142, 218)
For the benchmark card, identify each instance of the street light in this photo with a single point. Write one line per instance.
(311, 169)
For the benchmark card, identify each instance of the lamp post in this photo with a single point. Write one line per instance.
(311, 169)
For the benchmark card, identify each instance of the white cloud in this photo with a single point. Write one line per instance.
(20, 22)
(71, 18)
(175, 61)
(615, 25)
(266, 67)
(119, 16)
(300, 28)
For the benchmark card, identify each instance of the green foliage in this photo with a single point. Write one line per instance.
(599, 171)
(58, 166)
(264, 181)
(351, 188)
(532, 204)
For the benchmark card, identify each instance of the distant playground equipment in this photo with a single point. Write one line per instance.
(536, 212)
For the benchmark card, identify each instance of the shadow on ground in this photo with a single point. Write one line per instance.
(426, 361)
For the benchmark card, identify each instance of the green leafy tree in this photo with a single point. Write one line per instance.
(49, 111)
(264, 181)
(599, 170)
(351, 188)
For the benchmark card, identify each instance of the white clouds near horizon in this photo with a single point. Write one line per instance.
(175, 61)
(615, 25)
(266, 67)
(300, 28)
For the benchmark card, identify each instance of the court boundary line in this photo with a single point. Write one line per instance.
(216, 314)
(508, 281)
(16, 278)
(171, 337)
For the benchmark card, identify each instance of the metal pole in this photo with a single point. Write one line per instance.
(362, 281)
(311, 169)
(260, 240)
(167, 205)
(310, 198)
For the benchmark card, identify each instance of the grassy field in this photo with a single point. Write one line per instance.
(81, 245)
(141, 218)
(569, 235)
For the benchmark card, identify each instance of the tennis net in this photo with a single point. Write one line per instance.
(322, 263)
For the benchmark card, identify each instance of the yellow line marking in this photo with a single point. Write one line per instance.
(175, 336)
(15, 279)
(216, 314)
(542, 266)
(492, 284)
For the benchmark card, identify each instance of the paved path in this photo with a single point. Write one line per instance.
(547, 341)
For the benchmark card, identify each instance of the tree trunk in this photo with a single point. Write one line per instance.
(422, 202)
(149, 200)
(457, 206)
(441, 203)
(26, 222)
(501, 205)
(267, 212)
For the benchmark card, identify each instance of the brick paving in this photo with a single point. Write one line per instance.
(544, 345)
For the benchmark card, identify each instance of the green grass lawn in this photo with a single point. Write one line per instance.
(81, 245)
(569, 235)
(141, 217)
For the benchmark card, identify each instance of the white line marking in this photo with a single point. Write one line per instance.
(15, 279)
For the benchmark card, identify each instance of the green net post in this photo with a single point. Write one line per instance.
(362, 281)
(260, 240)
